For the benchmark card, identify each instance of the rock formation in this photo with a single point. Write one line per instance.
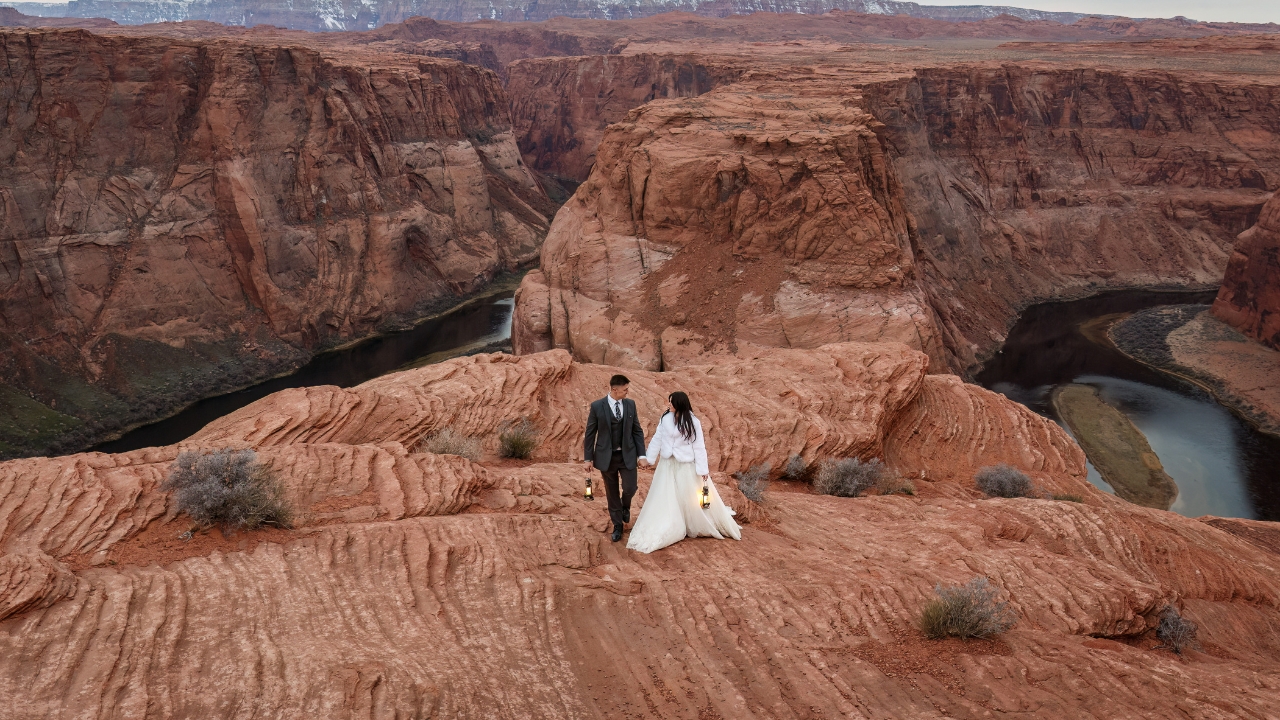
(177, 216)
(430, 585)
(1250, 296)
(927, 206)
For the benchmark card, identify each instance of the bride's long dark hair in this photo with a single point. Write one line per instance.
(684, 414)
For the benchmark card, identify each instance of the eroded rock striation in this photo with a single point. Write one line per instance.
(1250, 296)
(182, 215)
(431, 585)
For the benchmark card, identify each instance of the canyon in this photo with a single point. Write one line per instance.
(929, 205)
(816, 226)
(180, 216)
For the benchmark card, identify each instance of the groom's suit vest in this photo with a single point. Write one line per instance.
(615, 428)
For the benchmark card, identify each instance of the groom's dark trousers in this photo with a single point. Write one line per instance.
(612, 446)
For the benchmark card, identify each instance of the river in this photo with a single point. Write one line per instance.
(1223, 466)
(474, 325)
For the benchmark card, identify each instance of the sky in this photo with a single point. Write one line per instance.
(1258, 11)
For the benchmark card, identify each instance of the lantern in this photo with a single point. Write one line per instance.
(586, 494)
(706, 496)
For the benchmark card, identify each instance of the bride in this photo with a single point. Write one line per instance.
(672, 510)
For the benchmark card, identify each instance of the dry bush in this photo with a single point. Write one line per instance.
(1003, 481)
(892, 483)
(849, 477)
(971, 610)
(798, 469)
(753, 482)
(1174, 631)
(517, 439)
(1068, 497)
(449, 442)
(229, 488)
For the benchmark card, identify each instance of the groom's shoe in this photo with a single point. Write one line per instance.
(626, 516)
(617, 533)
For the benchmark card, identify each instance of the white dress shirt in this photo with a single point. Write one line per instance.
(668, 442)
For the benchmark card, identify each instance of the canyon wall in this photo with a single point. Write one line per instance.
(180, 216)
(1037, 184)
(561, 106)
(972, 193)
(1250, 294)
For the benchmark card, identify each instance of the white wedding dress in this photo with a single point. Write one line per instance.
(672, 510)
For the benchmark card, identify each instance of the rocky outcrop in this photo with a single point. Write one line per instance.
(734, 221)
(1250, 296)
(178, 216)
(430, 585)
(561, 106)
(928, 207)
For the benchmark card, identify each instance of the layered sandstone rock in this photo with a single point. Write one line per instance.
(561, 106)
(1031, 184)
(1250, 296)
(426, 585)
(924, 206)
(734, 221)
(177, 216)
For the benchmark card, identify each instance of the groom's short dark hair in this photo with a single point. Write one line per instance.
(617, 380)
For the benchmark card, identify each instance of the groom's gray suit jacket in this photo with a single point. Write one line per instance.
(597, 446)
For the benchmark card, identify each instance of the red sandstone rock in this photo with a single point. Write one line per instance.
(433, 586)
(184, 206)
(1250, 294)
(966, 195)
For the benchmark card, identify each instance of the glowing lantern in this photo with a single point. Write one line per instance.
(706, 497)
(586, 494)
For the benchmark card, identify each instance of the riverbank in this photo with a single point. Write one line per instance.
(1188, 342)
(167, 382)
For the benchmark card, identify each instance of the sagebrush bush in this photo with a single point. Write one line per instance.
(753, 482)
(1174, 631)
(1003, 481)
(849, 477)
(229, 488)
(797, 468)
(448, 442)
(1068, 497)
(517, 439)
(971, 610)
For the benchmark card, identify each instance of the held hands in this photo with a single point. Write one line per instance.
(643, 460)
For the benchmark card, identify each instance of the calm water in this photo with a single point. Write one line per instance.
(1221, 464)
(472, 326)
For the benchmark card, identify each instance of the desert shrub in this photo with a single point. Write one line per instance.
(849, 477)
(449, 442)
(229, 488)
(1003, 481)
(753, 482)
(1174, 631)
(894, 484)
(517, 439)
(797, 468)
(1068, 497)
(971, 610)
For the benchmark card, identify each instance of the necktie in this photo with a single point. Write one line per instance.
(617, 410)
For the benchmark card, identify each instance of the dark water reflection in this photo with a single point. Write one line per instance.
(1222, 465)
(472, 326)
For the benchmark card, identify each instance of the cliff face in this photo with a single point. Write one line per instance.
(1250, 294)
(561, 106)
(178, 216)
(730, 222)
(1031, 185)
(429, 585)
(967, 195)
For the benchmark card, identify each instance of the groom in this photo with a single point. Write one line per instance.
(613, 441)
